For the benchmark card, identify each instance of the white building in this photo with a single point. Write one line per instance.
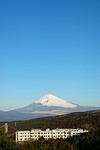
(35, 134)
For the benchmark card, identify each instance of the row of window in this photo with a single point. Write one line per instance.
(40, 133)
(36, 137)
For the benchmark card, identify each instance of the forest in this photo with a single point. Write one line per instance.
(87, 120)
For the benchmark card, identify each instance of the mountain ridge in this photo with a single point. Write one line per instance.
(51, 100)
(47, 105)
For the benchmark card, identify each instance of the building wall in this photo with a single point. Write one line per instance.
(35, 134)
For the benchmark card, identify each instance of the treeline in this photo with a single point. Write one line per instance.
(84, 142)
(86, 120)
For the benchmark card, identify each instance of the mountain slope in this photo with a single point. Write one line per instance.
(51, 100)
(88, 120)
(52, 105)
(48, 105)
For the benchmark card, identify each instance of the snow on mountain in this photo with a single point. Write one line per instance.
(51, 100)
(48, 105)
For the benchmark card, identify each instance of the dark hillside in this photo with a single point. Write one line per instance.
(88, 120)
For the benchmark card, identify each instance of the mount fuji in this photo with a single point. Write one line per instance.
(48, 105)
(51, 100)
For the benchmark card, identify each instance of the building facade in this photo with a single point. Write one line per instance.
(35, 134)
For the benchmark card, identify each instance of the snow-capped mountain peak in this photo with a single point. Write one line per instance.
(51, 100)
(48, 105)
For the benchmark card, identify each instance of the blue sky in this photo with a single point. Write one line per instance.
(49, 46)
